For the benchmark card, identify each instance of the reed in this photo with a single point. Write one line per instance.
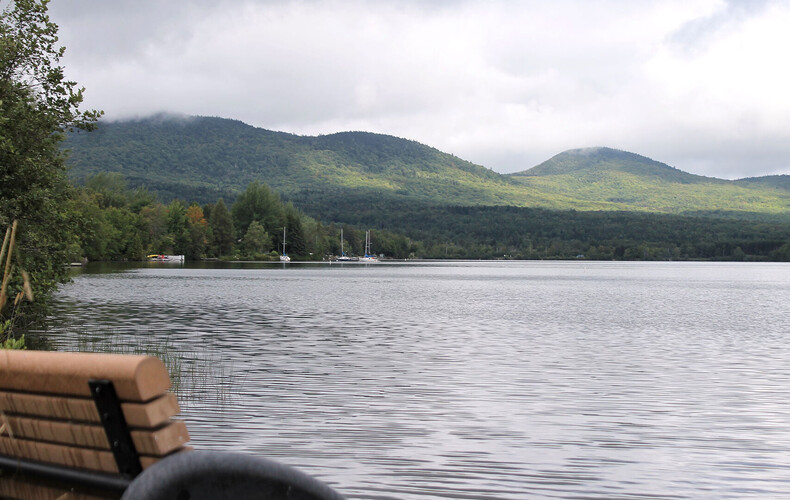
(197, 376)
(7, 252)
(8, 245)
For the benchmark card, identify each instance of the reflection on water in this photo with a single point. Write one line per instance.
(479, 380)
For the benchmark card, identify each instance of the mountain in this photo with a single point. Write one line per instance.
(203, 158)
(623, 178)
(768, 181)
(592, 162)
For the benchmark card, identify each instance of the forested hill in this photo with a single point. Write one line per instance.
(592, 162)
(769, 181)
(599, 175)
(202, 159)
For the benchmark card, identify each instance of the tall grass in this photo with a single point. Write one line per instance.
(7, 252)
(196, 376)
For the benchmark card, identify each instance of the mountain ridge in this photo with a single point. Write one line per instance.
(601, 157)
(781, 181)
(204, 158)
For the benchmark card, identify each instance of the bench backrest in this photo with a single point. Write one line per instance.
(59, 410)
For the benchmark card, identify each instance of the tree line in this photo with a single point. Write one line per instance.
(488, 232)
(115, 223)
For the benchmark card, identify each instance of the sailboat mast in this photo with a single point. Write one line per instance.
(368, 256)
(284, 257)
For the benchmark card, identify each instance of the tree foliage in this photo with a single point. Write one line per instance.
(258, 203)
(37, 104)
(221, 230)
(128, 230)
(412, 230)
(256, 240)
(197, 233)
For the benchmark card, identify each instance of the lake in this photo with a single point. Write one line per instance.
(472, 380)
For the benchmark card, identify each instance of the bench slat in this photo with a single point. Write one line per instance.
(70, 456)
(136, 378)
(156, 442)
(162, 441)
(55, 431)
(151, 414)
(81, 458)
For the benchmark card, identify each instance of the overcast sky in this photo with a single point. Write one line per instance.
(703, 85)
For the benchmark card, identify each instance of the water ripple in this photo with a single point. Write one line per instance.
(477, 380)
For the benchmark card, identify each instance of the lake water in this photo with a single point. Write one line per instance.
(474, 380)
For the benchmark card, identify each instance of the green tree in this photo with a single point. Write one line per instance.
(123, 240)
(91, 227)
(316, 238)
(154, 228)
(256, 239)
(37, 104)
(258, 202)
(177, 226)
(295, 238)
(197, 231)
(110, 189)
(221, 230)
(782, 253)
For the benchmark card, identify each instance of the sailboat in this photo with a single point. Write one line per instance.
(368, 257)
(284, 257)
(343, 257)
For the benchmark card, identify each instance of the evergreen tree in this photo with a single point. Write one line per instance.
(258, 202)
(295, 233)
(221, 225)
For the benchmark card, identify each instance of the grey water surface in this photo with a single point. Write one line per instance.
(474, 380)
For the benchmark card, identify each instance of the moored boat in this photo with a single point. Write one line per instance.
(368, 256)
(284, 257)
(343, 257)
(157, 257)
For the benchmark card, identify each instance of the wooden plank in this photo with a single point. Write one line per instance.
(155, 442)
(70, 456)
(55, 431)
(19, 489)
(153, 413)
(81, 458)
(150, 414)
(136, 378)
(162, 441)
(83, 410)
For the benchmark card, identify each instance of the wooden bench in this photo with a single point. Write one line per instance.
(79, 426)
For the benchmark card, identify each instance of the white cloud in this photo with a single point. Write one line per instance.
(699, 84)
